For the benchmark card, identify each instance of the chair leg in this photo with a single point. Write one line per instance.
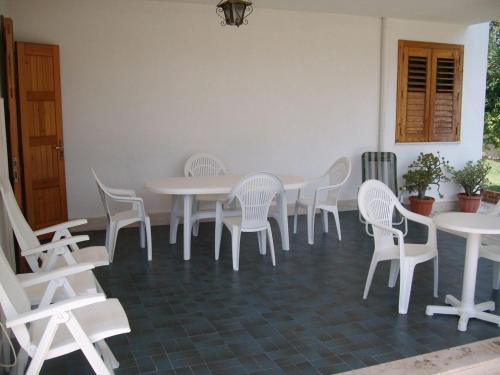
(393, 274)
(196, 224)
(108, 233)
(405, 282)
(371, 271)
(324, 214)
(496, 275)
(335, 212)
(107, 354)
(147, 225)
(436, 276)
(271, 244)
(310, 225)
(142, 235)
(22, 361)
(295, 213)
(262, 242)
(86, 346)
(43, 347)
(218, 237)
(112, 239)
(235, 247)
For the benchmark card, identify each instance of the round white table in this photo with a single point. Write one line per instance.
(188, 187)
(474, 225)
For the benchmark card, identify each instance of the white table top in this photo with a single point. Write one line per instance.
(468, 222)
(210, 185)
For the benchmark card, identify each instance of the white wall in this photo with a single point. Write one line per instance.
(475, 41)
(147, 83)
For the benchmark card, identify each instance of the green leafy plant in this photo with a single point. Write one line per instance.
(473, 176)
(492, 105)
(428, 169)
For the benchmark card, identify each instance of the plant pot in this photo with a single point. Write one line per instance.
(421, 206)
(467, 203)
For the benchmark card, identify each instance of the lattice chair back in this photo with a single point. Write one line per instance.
(13, 299)
(103, 194)
(204, 164)
(376, 203)
(255, 193)
(24, 234)
(380, 166)
(338, 174)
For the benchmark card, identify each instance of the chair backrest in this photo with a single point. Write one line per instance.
(376, 203)
(204, 164)
(103, 193)
(380, 166)
(255, 193)
(24, 234)
(338, 174)
(13, 299)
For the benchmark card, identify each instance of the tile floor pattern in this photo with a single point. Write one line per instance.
(306, 316)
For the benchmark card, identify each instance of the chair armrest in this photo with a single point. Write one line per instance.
(125, 199)
(59, 307)
(54, 245)
(121, 192)
(413, 216)
(394, 231)
(62, 226)
(329, 187)
(43, 277)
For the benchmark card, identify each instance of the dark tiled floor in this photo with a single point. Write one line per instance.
(306, 316)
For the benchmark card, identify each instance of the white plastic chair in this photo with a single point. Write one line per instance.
(377, 204)
(201, 165)
(79, 323)
(325, 198)
(491, 251)
(63, 250)
(118, 220)
(254, 194)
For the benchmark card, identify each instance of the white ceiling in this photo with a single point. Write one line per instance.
(452, 11)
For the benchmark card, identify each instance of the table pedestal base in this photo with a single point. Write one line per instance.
(465, 312)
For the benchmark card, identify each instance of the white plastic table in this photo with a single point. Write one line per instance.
(474, 225)
(188, 187)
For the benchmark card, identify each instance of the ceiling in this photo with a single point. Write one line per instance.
(451, 11)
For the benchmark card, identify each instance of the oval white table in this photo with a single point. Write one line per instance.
(474, 225)
(188, 187)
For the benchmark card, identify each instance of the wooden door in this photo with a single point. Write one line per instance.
(40, 117)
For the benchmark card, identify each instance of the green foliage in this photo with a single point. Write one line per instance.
(426, 170)
(473, 176)
(492, 108)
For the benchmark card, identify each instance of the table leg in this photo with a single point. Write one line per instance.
(466, 308)
(188, 206)
(174, 218)
(283, 221)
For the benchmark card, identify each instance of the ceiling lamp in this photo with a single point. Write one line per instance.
(234, 12)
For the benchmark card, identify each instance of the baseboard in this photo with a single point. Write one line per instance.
(163, 218)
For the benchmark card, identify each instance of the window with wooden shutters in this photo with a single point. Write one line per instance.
(429, 92)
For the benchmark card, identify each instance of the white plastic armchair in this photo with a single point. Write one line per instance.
(78, 323)
(118, 220)
(254, 194)
(202, 165)
(377, 204)
(64, 249)
(491, 250)
(325, 197)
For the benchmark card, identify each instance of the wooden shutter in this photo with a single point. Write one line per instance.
(445, 97)
(429, 92)
(413, 93)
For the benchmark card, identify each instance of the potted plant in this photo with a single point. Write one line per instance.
(428, 169)
(472, 177)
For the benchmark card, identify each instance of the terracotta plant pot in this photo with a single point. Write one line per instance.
(467, 203)
(421, 206)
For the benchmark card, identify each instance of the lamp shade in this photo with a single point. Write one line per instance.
(234, 12)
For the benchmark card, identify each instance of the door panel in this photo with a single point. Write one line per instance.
(41, 131)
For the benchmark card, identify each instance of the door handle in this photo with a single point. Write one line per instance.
(59, 147)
